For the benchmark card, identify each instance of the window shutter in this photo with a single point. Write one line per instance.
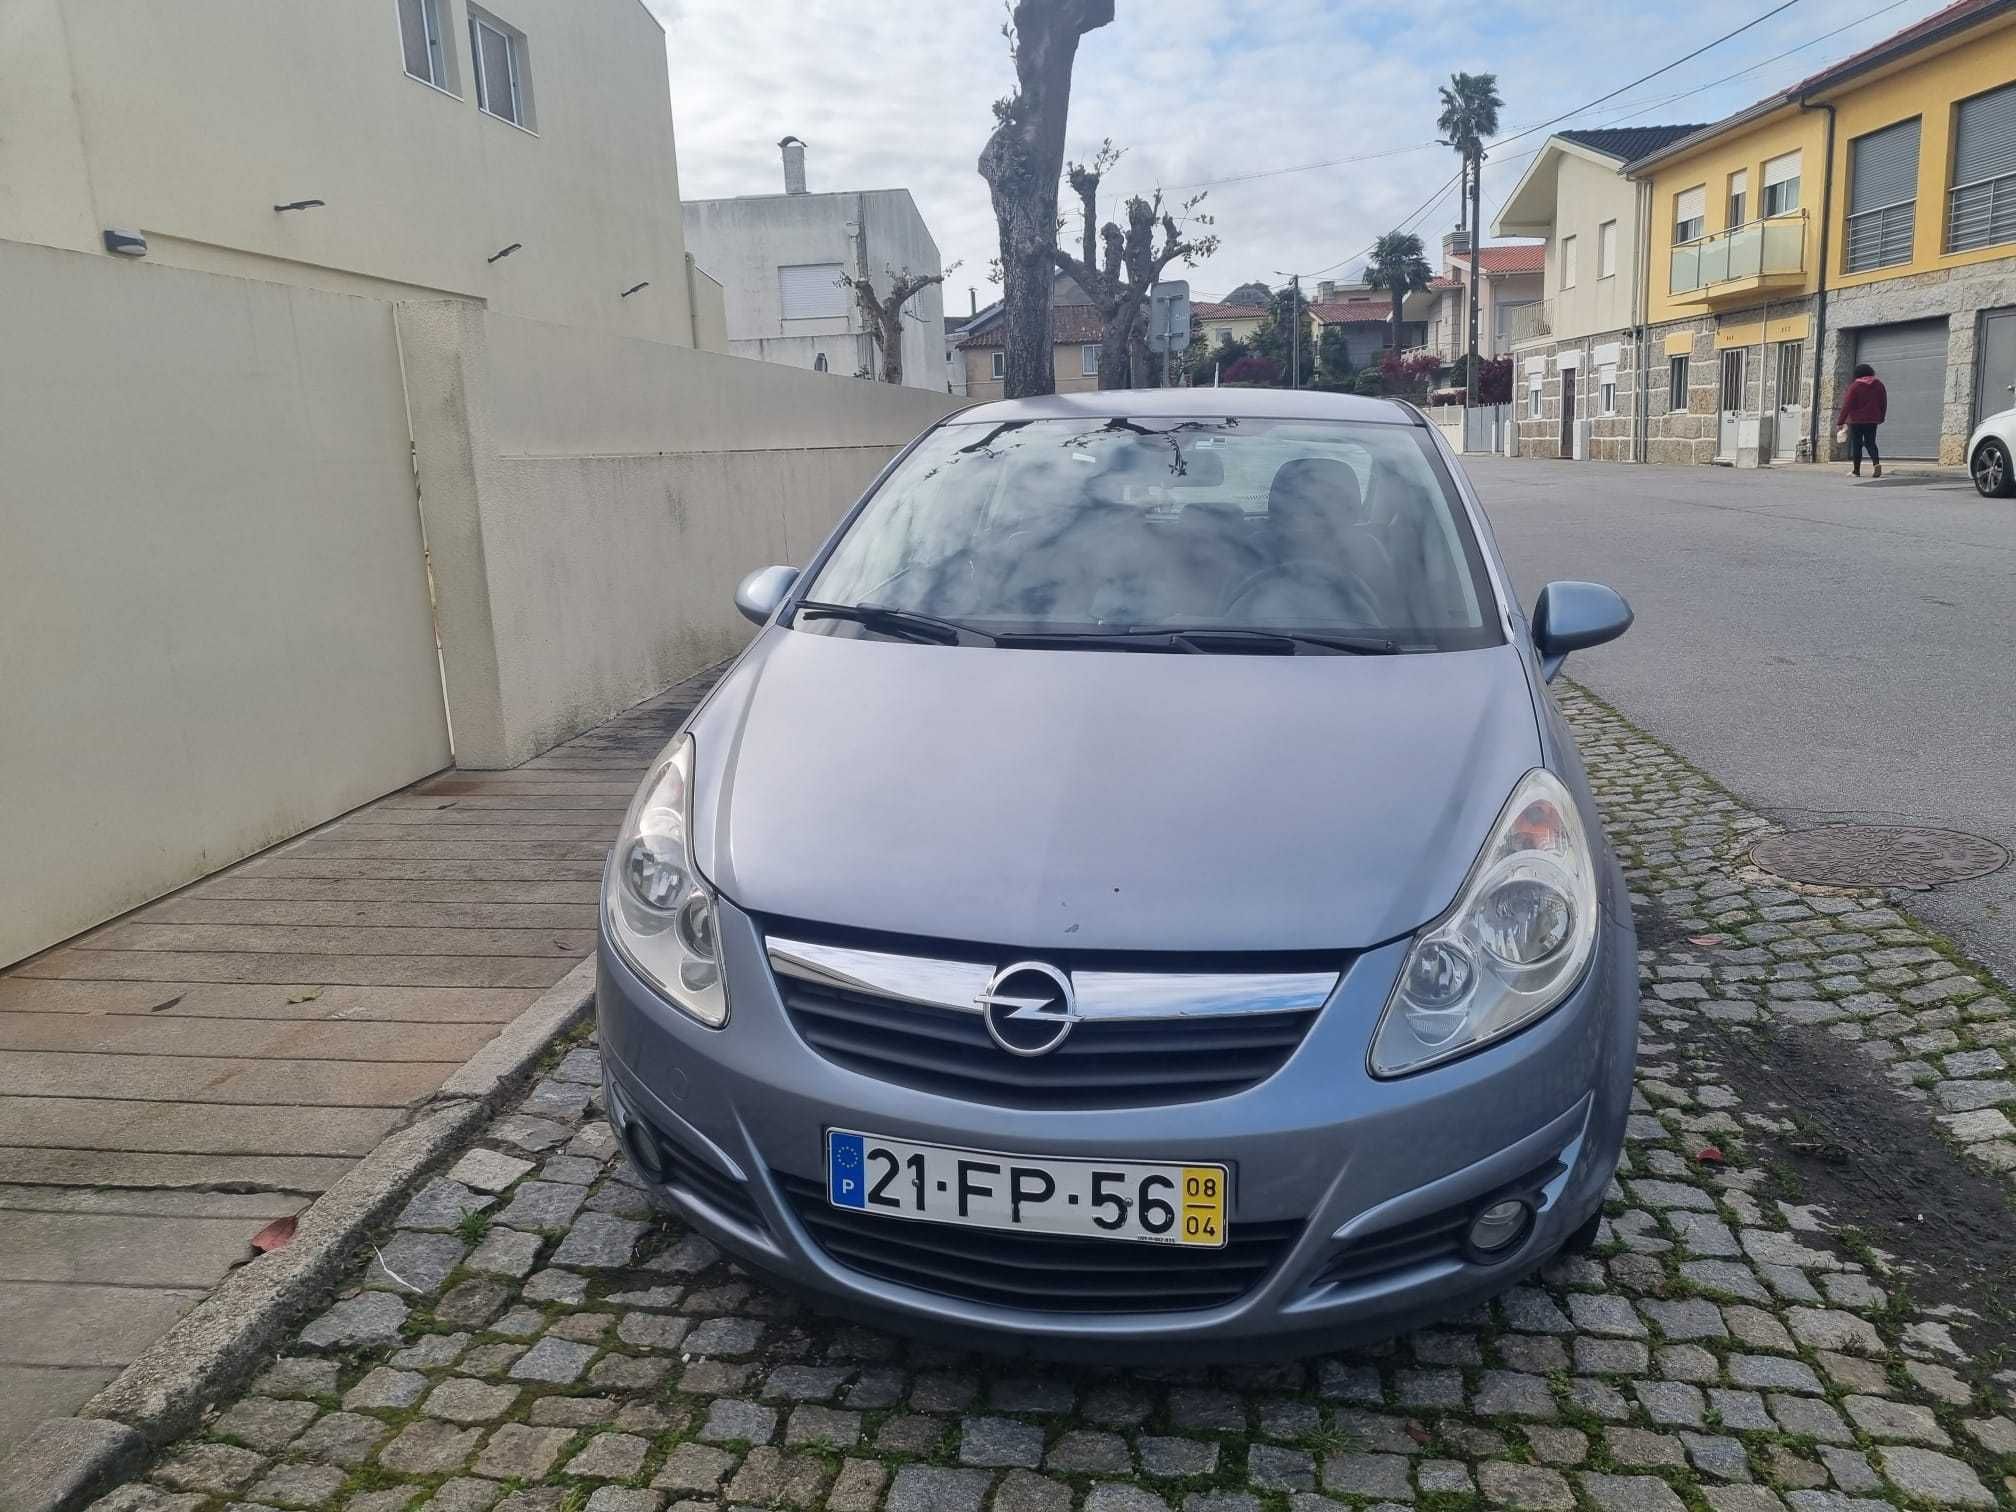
(1690, 204)
(1982, 207)
(1781, 169)
(1883, 167)
(1986, 147)
(1739, 182)
(811, 291)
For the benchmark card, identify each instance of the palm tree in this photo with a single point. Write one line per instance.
(1399, 265)
(1469, 114)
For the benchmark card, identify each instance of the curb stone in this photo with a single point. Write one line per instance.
(64, 1461)
(67, 1461)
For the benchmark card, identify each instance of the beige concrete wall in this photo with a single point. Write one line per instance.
(214, 624)
(189, 122)
(1586, 195)
(592, 501)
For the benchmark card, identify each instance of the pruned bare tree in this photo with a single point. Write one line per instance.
(1022, 163)
(1117, 281)
(884, 312)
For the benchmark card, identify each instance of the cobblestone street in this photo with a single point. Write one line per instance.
(1762, 1323)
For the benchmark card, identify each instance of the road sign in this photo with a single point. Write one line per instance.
(1169, 317)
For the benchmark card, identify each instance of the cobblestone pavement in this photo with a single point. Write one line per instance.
(530, 1339)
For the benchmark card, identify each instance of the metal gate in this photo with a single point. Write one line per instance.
(1998, 365)
(1911, 360)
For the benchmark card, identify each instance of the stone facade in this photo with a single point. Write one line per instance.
(1693, 434)
(1610, 436)
(1962, 295)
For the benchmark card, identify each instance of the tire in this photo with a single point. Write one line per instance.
(1584, 1238)
(1994, 476)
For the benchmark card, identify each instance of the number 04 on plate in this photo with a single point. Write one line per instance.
(1131, 1200)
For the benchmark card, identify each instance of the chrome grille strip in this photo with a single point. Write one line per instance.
(1101, 995)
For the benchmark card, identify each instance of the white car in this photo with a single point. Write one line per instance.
(1990, 451)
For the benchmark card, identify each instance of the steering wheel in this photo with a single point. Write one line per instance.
(1314, 573)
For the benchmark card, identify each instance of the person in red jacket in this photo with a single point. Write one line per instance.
(1862, 410)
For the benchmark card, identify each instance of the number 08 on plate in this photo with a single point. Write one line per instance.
(1128, 1200)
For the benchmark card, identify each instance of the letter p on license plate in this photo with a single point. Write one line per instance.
(1145, 1202)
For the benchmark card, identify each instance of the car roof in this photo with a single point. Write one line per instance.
(1229, 403)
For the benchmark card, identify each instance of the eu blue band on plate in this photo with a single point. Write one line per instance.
(846, 1170)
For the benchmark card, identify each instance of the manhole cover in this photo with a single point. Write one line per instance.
(1875, 855)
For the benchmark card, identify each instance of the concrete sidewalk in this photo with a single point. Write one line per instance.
(178, 1077)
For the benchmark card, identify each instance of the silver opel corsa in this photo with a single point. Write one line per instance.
(1134, 897)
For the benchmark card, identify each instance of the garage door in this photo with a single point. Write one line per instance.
(1911, 361)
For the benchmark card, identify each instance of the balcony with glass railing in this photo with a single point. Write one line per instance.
(1754, 258)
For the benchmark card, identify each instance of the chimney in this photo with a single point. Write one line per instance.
(794, 165)
(1455, 243)
(1326, 290)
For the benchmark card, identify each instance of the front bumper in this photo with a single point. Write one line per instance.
(1344, 1168)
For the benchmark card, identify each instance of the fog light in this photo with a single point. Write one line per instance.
(1499, 1226)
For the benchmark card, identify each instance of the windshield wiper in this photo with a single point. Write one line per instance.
(906, 624)
(1205, 640)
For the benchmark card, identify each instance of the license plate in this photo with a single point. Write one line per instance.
(1147, 1203)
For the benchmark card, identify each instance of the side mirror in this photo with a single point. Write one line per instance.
(758, 595)
(1574, 616)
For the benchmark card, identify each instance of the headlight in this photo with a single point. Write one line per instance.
(660, 913)
(1516, 941)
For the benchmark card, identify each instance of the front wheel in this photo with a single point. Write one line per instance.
(1994, 478)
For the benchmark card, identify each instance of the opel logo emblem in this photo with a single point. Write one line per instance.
(1029, 1007)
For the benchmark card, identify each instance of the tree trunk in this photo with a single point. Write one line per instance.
(1022, 162)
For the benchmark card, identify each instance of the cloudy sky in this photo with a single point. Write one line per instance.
(896, 93)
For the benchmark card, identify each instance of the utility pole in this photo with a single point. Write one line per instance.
(1476, 268)
(1295, 336)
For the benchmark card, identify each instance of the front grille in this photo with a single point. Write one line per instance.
(1431, 1237)
(1039, 1272)
(1104, 1064)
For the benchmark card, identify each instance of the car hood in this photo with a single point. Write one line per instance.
(1084, 800)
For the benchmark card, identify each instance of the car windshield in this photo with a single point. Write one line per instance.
(1113, 526)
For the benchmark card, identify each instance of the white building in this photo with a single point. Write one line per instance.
(780, 258)
(519, 154)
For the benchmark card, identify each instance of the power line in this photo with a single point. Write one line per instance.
(1643, 78)
(1263, 173)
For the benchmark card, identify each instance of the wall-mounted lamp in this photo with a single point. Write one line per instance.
(125, 243)
(300, 205)
(500, 256)
(634, 288)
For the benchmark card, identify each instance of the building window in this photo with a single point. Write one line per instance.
(1690, 214)
(1791, 363)
(1739, 197)
(1882, 197)
(1568, 262)
(811, 291)
(502, 89)
(1606, 388)
(420, 34)
(1676, 384)
(1088, 360)
(1000, 365)
(1224, 335)
(1781, 185)
(1533, 397)
(1981, 208)
(1606, 250)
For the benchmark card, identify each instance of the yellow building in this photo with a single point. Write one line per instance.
(1866, 215)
